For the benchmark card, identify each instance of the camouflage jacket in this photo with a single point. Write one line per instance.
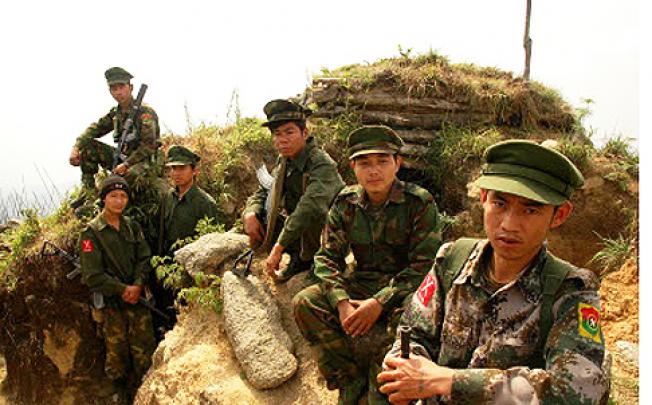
(180, 216)
(127, 246)
(488, 334)
(394, 245)
(147, 132)
(311, 183)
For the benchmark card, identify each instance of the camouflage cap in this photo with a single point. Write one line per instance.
(117, 75)
(113, 182)
(529, 170)
(180, 156)
(285, 110)
(373, 139)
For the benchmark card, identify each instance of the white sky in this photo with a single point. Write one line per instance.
(53, 55)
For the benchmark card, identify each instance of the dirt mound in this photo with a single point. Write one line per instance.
(620, 304)
(196, 364)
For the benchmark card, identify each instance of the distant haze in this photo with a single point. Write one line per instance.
(197, 53)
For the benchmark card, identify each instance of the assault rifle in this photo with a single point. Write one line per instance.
(49, 249)
(126, 137)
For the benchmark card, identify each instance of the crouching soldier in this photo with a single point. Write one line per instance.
(393, 230)
(501, 320)
(115, 262)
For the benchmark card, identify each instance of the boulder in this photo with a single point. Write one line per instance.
(207, 253)
(253, 324)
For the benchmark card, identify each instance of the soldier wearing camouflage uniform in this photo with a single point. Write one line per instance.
(141, 151)
(180, 210)
(306, 181)
(113, 243)
(502, 320)
(393, 230)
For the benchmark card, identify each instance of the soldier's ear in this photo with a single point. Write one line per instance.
(561, 214)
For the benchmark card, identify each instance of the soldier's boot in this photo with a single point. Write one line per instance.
(295, 267)
(352, 391)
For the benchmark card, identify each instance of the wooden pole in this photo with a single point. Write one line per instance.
(527, 41)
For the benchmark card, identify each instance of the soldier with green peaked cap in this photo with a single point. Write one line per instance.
(287, 217)
(180, 209)
(496, 317)
(142, 155)
(114, 259)
(392, 228)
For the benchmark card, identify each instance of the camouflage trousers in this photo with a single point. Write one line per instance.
(129, 339)
(94, 154)
(319, 323)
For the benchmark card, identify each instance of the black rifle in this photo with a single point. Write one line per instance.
(126, 136)
(49, 249)
(404, 334)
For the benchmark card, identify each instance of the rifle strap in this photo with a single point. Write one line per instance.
(161, 226)
(277, 194)
(108, 252)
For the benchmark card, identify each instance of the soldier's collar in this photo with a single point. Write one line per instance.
(396, 194)
(100, 222)
(302, 158)
(190, 194)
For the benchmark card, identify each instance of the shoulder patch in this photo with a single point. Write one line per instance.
(427, 289)
(418, 191)
(87, 246)
(589, 322)
(146, 116)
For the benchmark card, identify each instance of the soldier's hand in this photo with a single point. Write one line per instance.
(414, 378)
(75, 158)
(131, 294)
(364, 316)
(121, 169)
(253, 229)
(274, 260)
(345, 309)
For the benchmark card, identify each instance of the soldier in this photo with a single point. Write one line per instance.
(141, 151)
(306, 181)
(393, 231)
(115, 262)
(501, 320)
(180, 210)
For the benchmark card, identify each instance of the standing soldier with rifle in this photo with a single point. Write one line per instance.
(289, 217)
(135, 130)
(115, 262)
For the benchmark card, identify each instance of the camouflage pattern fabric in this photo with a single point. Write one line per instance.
(141, 156)
(305, 211)
(489, 334)
(393, 245)
(129, 340)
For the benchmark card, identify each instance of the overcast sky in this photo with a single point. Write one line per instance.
(54, 54)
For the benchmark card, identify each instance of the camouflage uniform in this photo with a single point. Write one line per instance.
(488, 333)
(127, 328)
(393, 245)
(142, 156)
(311, 182)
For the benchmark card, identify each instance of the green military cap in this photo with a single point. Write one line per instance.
(285, 110)
(180, 155)
(529, 170)
(117, 75)
(373, 139)
(113, 182)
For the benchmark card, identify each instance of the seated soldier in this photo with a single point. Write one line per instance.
(115, 262)
(392, 229)
(501, 320)
(306, 181)
(179, 211)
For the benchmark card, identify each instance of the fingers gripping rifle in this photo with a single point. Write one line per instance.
(127, 134)
(49, 249)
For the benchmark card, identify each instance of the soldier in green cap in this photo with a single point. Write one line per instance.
(502, 320)
(114, 258)
(141, 150)
(289, 216)
(180, 210)
(393, 230)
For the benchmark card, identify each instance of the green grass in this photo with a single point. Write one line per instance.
(614, 253)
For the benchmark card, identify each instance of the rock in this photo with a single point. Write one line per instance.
(253, 324)
(210, 251)
(550, 143)
(627, 353)
(60, 345)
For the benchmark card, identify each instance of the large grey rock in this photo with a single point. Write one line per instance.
(253, 324)
(627, 353)
(207, 253)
